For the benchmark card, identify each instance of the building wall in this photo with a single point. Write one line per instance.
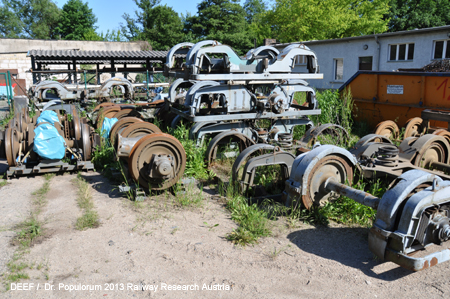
(351, 49)
(13, 52)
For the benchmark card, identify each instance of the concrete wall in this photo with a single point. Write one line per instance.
(350, 49)
(13, 52)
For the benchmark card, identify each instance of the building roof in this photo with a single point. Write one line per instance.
(380, 35)
(68, 56)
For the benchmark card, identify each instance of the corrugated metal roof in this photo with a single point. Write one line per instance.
(42, 61)
(95, 55)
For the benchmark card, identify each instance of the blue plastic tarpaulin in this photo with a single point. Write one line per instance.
(48, 144)
(108, 123)
(48, 116)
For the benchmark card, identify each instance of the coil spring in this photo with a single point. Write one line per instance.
(387, 156)
(285, 140)
(263, 135)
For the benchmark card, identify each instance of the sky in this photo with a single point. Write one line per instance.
(109, 13)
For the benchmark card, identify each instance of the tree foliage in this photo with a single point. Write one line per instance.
(297, 20)
(77, 19)
(158, 24)
(254, 8)
(411, 14)
(28, 19)
(221, 20)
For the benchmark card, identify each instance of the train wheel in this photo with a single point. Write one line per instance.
(157, 161)
(388, 128)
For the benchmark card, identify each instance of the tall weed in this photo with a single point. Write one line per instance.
(195, 155)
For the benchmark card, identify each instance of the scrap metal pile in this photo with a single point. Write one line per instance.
(413, 214)
(56, 140)
(438, 66)
(227, 96)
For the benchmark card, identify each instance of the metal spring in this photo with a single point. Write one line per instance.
(263, 135)
(387, 156)
(285, 140)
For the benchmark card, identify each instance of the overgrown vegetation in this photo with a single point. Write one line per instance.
(89, 219)
(253, 222)
(346, 210)
(195, 155)
(27, 232)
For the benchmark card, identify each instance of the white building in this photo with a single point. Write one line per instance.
(340, 59)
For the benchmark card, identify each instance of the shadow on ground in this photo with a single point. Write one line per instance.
(351, 249)
(102, 184)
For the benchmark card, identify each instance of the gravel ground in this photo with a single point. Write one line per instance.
(153, 245)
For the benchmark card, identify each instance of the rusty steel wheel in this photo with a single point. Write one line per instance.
(12, 145)
(2, 145)
(108, 112)
(444, 133)
(226, 145)
(388, 129)
(331, 166)
(127, 113)
(431, 149)
(139, 129)
(414, 128)
(157, 161)
(121, 125)
(103, 105)
(76, 124)
(30, 142)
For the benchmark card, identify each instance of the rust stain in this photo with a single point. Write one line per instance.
(426, 265)
(434, 262)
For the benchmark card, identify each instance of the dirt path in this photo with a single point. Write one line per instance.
(154, 244)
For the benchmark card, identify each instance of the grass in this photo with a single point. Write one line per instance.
(90, 218)
(253, 222)
(3, 183)
(5, 120)
(40, 194)
(346, 210)
(27, 232)
(195, 155)
(191, 196)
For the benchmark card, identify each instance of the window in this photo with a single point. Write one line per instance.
(441, 49)
(401, 52)
(365, 63)
(338, 69)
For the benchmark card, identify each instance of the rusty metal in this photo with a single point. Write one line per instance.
(357, 195)
(314, 132)
(139, 129)
(224, 139)
(388, 129)
(157, 161)
(121, 125)
(413, 214)
(414, 128)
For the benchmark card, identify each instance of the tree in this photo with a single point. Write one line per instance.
(300, 20)
(254, 8)
(28, 19)
(77, 19)
(411, 14)
(158, 24)
(221, 20)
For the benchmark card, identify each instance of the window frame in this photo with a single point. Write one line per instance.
(444, 49)
(397, 50)
(335, 68)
